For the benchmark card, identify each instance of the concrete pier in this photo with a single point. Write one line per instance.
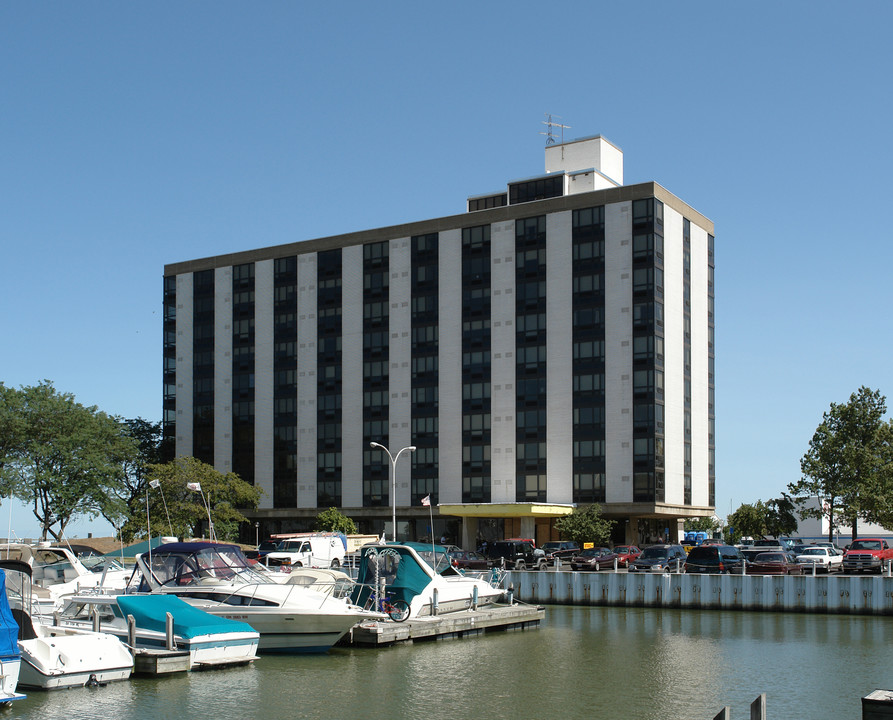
(454, 625)
(851, 595)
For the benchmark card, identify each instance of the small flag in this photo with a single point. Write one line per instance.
(426, 501)
(154, 484)
(194, 486)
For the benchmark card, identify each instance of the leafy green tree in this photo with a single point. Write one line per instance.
(583, 526)
(748, 521)
(780, 519)
(847, 464)
(12, 428)
(332, 520)
(701, 524)
(174, 507)
(60, 457)
(131, 491)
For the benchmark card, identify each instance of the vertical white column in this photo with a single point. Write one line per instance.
(559, 358)
(674, 360)
(307, 379)
(502, 354)
(700, 370)
(400, 353)
(352, 447)
(618, 353)
(263, 380)
(185, 315)
(223, 369)
(449, 362)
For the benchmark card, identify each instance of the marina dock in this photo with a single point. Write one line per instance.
(848, 595)
(454, 625)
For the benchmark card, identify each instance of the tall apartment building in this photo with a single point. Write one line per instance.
(549, 348)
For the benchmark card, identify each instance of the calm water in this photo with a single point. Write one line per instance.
(582, 663)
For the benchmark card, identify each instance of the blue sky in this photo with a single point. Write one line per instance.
(139, 134)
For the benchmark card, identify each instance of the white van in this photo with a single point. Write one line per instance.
(316, 550)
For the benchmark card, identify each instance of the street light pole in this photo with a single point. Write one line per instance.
(393, 459)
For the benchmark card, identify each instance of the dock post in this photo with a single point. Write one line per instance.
(169, 631)
(474, 598)
(758, 708)
(131, 632)
(434, 602)
(511, 593)
(95, 619)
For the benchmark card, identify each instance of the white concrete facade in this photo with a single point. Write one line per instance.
(618, 202)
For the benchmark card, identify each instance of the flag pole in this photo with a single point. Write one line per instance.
(431, 515)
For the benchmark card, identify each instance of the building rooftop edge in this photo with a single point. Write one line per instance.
(466, 219)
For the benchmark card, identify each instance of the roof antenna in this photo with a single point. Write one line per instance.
(548, 122)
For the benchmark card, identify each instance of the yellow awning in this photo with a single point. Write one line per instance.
(505, 509)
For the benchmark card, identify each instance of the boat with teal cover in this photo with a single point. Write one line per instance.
(209, 639)
(10, 656)
(427, 587)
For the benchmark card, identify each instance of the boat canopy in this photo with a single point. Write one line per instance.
(9, 628)
(150, 612)
(404, 574)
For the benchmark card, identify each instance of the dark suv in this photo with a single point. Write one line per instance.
(714, 559)
(560, 549)
(516, 555)
(659, 558)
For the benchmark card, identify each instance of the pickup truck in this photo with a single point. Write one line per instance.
(868, 554)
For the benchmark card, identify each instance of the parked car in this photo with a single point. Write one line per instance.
(560, 549)
(869, 554)
(715, 559)
(822, 558)
(659, 558)
(267, 546)
(775, 563)
(597, 558)
(627, 553)
(750, 553)
(469, 560)
(516, 555)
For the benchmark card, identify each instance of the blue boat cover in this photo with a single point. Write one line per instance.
(9, 628)
(150, 612)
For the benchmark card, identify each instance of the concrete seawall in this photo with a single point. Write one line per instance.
(859, 595)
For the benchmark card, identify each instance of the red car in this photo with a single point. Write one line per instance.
(627, 554)
(598, 558)
(774, 563)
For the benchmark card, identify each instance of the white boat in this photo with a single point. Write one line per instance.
(58, 657)
(10, 656)
(407, 573)
(210, 640)
(56, 573)
(219, 579)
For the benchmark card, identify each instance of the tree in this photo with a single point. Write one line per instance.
(702, 524)
(748, 521)
(131, 491)
(332, 520)
(173, 506)
(62, 458)
(847, 466)
(779, 517)
(583, 526)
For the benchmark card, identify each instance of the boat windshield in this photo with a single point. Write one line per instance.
(203, 567)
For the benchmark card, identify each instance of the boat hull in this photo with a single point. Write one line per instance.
(62, 658)
(290, 632)
(10, 669)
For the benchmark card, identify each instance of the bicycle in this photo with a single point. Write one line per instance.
(397, 610)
